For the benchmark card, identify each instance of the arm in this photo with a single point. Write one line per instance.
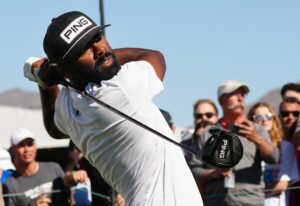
(48, 95)
(155, 58)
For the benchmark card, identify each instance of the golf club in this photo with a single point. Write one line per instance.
(85, 94)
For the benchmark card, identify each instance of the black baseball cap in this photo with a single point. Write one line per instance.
(68, 34)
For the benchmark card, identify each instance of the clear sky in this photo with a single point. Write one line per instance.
(204, 42)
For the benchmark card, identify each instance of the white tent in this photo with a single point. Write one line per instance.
(12, 118)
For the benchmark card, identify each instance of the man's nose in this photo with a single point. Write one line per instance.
(99, 50)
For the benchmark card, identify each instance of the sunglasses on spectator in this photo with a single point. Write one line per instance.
(201, 115)
(287, 113)
(260, 117)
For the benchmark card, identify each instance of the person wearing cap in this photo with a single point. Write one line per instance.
(36, 183)
(6, 169)
(243, 184)
(141, 166)
(6, 165)
(5, 160)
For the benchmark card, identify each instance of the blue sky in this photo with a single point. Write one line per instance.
(204, 42)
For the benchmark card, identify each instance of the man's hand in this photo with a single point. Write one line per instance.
(39, 71)
(247, 129)
(74, 177)
(43, 200)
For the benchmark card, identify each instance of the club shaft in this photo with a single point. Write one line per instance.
(85, 94)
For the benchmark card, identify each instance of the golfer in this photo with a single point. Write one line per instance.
(144, 168)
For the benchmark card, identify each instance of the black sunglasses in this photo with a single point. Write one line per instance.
(287, 113)
(207, 114)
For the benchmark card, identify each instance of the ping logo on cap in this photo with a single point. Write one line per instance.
(75, 28)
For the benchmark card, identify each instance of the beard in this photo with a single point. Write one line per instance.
(98, 73)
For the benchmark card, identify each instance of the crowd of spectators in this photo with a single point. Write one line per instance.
(268, 173)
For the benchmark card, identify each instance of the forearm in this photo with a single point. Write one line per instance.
(266, 149)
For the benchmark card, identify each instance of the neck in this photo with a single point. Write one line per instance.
(27, 169)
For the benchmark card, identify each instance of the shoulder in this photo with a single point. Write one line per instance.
(50, 166)
(137, 67)
(134, 64)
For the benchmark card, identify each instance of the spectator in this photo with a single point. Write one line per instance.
(242, 184)
(1, 193)
(5, 160)
(289, 110)
(40, 183)
(168, 118)
(6, 165)
(6, 169)
(205, 113)
(102, 192)
(290, 90)
(293, 90)
(279, 176)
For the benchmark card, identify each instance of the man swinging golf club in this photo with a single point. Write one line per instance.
(144, 168)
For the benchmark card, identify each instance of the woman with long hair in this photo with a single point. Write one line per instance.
(278, 176)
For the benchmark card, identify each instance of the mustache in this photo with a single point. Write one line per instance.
(235, 106)
(102, 57)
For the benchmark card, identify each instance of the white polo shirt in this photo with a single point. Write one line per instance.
(144, 168)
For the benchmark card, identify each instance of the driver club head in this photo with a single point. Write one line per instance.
(223, 149)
